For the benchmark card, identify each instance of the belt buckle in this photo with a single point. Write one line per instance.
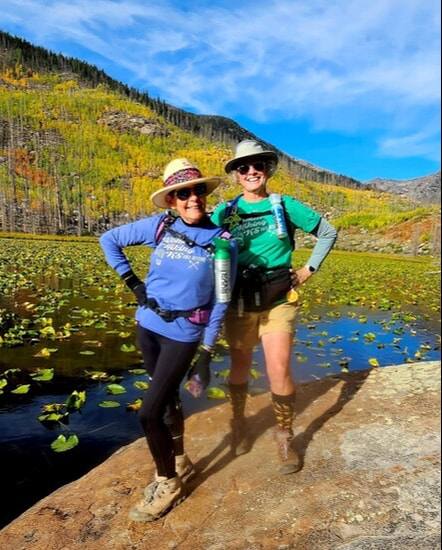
(163, 313)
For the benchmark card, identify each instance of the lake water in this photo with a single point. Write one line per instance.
(325, 343)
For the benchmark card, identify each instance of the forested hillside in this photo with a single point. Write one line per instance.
(80, 153)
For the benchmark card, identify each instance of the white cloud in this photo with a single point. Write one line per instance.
(424, 144)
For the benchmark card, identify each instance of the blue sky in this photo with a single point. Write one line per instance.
(350, 86)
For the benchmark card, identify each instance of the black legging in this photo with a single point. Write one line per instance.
(167, 362)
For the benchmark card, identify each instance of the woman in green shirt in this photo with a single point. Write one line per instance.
(264, 302)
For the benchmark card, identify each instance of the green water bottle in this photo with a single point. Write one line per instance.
(223, 287)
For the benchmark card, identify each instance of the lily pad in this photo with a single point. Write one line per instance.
(115, 389)
(216, 393)
(63, 443)
(109, 404)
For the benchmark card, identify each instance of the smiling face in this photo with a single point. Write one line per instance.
(252, 175)
(190, 203)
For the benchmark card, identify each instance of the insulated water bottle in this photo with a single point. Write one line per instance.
(278, 215)
(222, 271)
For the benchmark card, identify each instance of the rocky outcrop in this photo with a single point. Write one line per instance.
(126, 123)
(370, 479)
(425, 189)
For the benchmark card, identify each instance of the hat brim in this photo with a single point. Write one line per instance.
(234, 163)
(159, 197)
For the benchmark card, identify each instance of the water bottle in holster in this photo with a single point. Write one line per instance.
(223, 287)
(278, 215)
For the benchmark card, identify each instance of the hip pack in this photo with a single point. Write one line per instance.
(257, 289)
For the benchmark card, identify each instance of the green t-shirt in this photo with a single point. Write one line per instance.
(256, 236)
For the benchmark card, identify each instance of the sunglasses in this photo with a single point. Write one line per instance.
(260, 166)
(184, 193)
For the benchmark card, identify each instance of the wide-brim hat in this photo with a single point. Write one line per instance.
(247, 149)
(181, 173)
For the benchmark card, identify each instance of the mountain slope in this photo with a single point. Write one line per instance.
(16, 50)
(80, 153)
(425, 189)
(222, 129)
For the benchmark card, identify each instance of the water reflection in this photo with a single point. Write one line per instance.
(324, 345)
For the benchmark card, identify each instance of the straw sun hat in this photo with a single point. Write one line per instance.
(181, 173)
(249, 148)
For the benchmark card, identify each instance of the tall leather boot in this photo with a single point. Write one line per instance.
(283, 407)
(241, 442)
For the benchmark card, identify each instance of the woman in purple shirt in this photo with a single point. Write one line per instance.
(177, 308)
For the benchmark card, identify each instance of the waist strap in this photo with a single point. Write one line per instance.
(198, 315)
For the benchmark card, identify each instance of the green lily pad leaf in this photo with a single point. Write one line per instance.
(76, 400)
(47, 331)
(124, 334)
(137, 371)
(324, 365)
(22, 389)
(63, 443)
(255, 374)
(43, 353)
(141, 385)
(374, 362)
(115, 389)
(114, 378)
(127, 348)
(109, 404)
(223, 373)
(87, 352)
(52, 420)
(97, 375)
(134, 406)
(43, 375)
(216, 393)
(217, 358)
(3, 383)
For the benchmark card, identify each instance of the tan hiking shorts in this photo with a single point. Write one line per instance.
(246, 331)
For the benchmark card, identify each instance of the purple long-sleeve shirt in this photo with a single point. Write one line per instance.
(180, 276)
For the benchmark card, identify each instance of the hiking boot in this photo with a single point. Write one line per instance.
(241, 438)
(289, 458)
(166, 495)
(184, 469)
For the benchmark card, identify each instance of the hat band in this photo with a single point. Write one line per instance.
(183, 176)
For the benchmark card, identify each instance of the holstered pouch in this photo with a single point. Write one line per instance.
(259, 289)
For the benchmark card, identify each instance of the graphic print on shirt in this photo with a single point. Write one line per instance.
(252, 228)
(175, 250)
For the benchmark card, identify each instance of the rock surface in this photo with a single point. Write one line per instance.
(370, 478)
